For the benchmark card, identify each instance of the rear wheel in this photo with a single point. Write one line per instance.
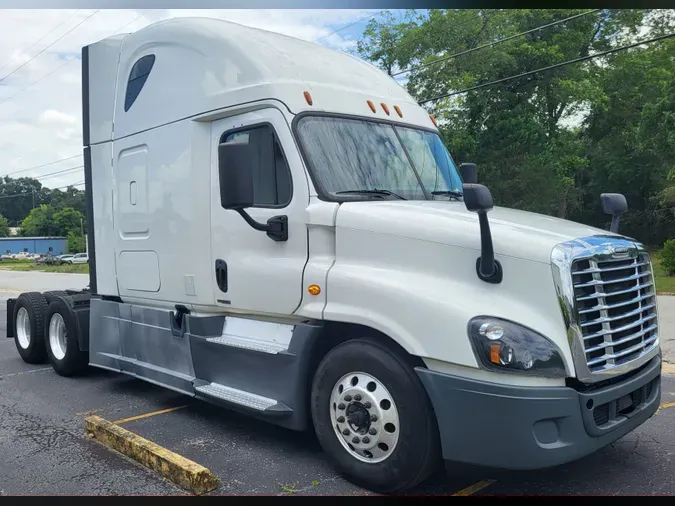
(373, 418)
(61, 337)
(53, 294)
(29, 317)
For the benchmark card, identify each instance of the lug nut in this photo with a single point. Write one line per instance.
(348, 397)
(341, 419)
(367, 405)
(372, 431)
(366, 439)
(373, 418)
(356, 440)
(346, 432)
(357, 397)
(341, 406)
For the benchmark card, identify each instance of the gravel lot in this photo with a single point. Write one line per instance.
(45, 450)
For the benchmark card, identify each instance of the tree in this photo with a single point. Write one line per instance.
(46, 221)
(4, 227)
(549, 141)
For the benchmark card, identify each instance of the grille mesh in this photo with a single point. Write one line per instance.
(616, 304)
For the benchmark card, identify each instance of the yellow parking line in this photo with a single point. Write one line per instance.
(667, 405)
(183, 472)
(147, 415)
(475, 487)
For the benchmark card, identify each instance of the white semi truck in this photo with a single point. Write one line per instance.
(278, 228)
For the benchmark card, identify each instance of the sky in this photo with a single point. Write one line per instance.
(40, 83)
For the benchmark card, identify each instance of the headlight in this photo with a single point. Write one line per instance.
(504, 346)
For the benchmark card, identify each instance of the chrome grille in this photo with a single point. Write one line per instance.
(615, 302)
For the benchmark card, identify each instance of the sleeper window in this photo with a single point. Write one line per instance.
(271, 175)
(137, 77)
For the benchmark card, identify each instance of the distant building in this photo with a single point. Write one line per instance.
(46, 245)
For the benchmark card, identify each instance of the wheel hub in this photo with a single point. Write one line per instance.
(364, 417)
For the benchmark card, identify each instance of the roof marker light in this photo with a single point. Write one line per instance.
(385, 108)
(371, 105)
(398, 111)
(308, 97)
(433, 120)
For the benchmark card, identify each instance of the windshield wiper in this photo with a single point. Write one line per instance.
(374, 191)
(451, 193)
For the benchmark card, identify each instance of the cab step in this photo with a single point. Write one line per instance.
(241, 398)
(249, 344)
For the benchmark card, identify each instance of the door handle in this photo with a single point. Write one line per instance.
(221, 275)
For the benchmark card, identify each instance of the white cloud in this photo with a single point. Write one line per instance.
(40, 106)
(53, 117)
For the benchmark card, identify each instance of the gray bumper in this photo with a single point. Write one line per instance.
(531, 427)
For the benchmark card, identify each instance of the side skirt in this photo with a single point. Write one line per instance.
(259, 368)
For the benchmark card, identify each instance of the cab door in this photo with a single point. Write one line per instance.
(253, 273)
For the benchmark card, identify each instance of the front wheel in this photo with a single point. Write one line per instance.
(373, 418)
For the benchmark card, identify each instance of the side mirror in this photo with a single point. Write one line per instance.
(478, 199)
(235, 177)
(469, 173)
(236, 188)
(614, 204)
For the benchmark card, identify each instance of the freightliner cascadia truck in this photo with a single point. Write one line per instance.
(278, 228)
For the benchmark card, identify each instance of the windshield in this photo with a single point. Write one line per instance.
(352, 155)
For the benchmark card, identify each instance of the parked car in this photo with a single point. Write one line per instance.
(63, 259)
(80, 258)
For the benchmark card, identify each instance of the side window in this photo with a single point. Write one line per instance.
(271, 175)
(137, 77)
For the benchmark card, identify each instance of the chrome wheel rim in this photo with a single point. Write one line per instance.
(57, 336)
(23, 328)
(364, 417)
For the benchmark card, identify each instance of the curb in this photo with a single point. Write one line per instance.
(181, 471)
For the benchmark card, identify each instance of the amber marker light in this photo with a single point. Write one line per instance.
(398, 111)
(314, 289)
(308, 97)
(433, 120)
(385, 108)
(371, 105)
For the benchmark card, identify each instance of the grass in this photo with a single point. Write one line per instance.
(664, 283)
(31, 266)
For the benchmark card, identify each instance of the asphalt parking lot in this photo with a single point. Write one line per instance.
(45, 449)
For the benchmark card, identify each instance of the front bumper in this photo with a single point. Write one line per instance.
(515, 427)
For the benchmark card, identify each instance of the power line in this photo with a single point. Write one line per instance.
(50, 45)
(551, 67)
(52, 174)
(445, 58)
(43, 37)
(130, 22)
(63, 65)
(30, 193)
(349, 26)
(38, 80)
(40, 166)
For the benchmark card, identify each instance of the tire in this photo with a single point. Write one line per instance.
(412, 451)
(29, 317)
(53, 294)
(61, 340)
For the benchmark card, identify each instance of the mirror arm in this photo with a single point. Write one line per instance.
(487, 268)
(276, 227)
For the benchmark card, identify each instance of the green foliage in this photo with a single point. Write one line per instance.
(4, 227)
(47, 221)
(75, 242)
(668, 257)
(549, 142)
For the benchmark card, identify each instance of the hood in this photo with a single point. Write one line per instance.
(519, 234)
